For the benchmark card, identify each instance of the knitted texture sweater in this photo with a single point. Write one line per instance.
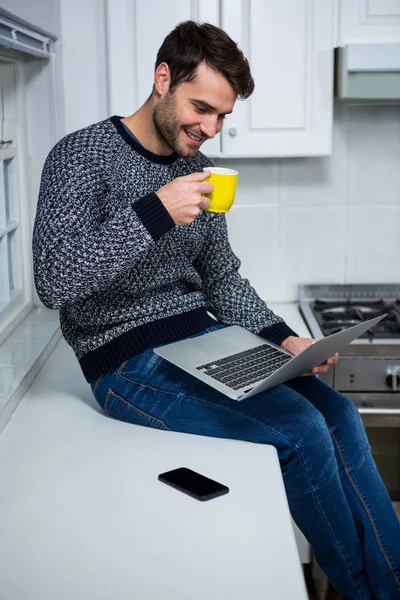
(108, 255)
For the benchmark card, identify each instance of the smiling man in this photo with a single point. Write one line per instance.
(181, 116)
(124, 248)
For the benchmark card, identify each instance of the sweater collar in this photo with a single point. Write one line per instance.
(161, 160)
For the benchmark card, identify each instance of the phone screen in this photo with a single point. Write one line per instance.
(192, 483)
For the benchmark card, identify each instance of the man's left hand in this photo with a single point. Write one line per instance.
(295, 345)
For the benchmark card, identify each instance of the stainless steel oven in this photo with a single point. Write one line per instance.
(368, 371)
(383, 432)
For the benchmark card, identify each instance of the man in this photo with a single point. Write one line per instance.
(124, 248)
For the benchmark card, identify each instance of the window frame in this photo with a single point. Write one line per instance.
(12, 312)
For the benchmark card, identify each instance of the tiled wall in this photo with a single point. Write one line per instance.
(333, 219)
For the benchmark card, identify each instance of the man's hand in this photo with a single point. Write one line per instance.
(183, 198)
(295, 345)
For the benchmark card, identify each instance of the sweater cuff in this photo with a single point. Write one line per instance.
(277, 333)
(153, 215)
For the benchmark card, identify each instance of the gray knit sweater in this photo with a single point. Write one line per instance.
(109, 256)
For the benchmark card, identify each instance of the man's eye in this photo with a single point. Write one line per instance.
(221, 116)
(200, 109)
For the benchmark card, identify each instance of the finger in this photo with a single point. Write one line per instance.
(320, 369)
(198, 176)
(332, 360)
(205, 188)
(204, 202)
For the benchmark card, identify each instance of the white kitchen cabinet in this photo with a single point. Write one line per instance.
(363, 21)
(135, 31)
(290, 48)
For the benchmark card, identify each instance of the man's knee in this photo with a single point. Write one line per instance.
(312, 447)
(348, 423)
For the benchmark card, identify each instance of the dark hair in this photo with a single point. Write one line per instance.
(190, 44)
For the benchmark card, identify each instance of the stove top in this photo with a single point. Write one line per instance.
(334, 316)
(328, 309)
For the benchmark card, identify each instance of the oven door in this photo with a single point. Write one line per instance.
(383, 431)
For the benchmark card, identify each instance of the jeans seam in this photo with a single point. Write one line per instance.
(366, 507)
(97, 383)
(178, 395)
(327, 522)
(106, 402)
(121, 368)
(134, 409)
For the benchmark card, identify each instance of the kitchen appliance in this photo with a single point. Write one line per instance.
(368, 370)
(368, 72)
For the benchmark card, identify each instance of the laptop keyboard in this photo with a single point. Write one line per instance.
(238, 370)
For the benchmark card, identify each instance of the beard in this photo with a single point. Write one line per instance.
(167, 126)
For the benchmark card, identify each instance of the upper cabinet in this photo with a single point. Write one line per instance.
(290, 48)
(289, 44)
(363, 21)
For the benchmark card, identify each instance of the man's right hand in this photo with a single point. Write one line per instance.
(183, 198)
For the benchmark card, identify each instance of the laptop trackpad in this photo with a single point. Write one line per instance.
(212, 346)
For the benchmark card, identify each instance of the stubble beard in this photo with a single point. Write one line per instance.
(167, 126)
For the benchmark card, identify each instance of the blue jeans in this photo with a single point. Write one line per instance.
(335, 493)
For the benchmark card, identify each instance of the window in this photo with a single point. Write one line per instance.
(14, 295)
(30, 90)
(10, 242)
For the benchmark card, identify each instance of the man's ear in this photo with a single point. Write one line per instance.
(162, 79)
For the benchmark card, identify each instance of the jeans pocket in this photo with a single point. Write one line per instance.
(118, 407)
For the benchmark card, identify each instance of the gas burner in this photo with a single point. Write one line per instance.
(336, 315)
(338, 325)
(356, 312)
(387, 328)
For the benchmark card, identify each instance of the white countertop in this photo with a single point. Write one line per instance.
(82, 514)
(289, 311)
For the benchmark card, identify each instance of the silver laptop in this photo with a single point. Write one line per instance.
(240, 364)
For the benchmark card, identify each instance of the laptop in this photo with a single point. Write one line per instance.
(240, 364)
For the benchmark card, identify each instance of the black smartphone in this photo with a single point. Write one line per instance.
(192, 483)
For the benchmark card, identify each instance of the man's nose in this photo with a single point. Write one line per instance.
(209, 125)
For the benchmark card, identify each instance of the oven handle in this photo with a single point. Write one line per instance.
(380, 417)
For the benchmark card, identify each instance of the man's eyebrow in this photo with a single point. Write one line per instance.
(206, 105)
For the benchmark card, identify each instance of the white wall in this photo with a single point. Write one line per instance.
(85, 77)
(333, 219)
(39, 14)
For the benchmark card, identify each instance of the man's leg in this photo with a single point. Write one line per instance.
(150, 391)
(376, 521)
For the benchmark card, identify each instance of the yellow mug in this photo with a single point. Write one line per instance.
(224, 182)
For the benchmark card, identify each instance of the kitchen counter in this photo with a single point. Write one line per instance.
(83, 515)
(289, 311)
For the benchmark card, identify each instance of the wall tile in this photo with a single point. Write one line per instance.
(318, 180)
(320, 237)
(373, 244)
(253, 233)
(258, 181)
(374, 154)
(312, 246)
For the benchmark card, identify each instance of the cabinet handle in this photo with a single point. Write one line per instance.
(232, 131)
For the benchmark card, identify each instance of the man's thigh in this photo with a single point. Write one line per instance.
(338, 410)
(148, 390)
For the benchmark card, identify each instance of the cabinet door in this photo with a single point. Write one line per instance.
(369, 21)
(289, 45)
(136, 30)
